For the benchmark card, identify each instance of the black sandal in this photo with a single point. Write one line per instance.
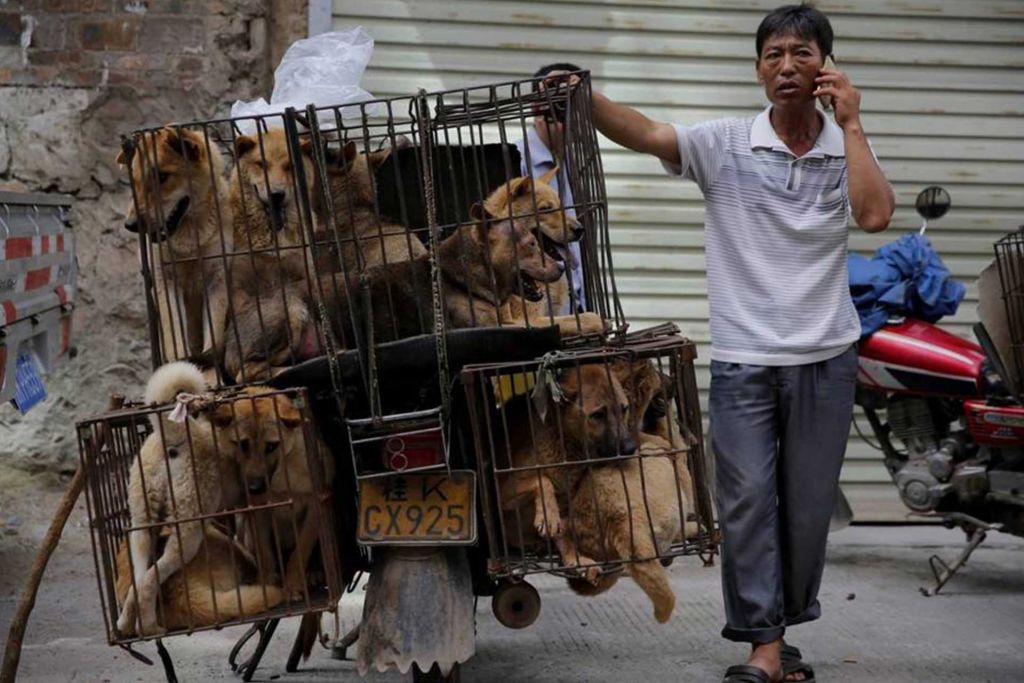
(793, 663)
(744, 673)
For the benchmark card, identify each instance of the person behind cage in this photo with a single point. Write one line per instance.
(778, 189)
(541, 151)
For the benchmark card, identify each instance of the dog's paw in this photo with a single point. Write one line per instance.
(592, 323)
(294, 589)
(592, 575)
(549, 525)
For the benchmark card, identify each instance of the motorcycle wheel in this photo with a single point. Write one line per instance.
(434, 675)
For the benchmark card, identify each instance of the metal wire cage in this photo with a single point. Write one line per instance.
(591, 459)
(338, 234)
(224, 518)
(1010, 259)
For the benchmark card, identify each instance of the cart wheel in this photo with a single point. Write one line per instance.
(434, 675)
(516, 605)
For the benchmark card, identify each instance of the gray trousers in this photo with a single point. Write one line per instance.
(778, 435)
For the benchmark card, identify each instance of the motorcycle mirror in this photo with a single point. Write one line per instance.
(933, 202)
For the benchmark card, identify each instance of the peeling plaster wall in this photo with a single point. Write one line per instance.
(74, 76)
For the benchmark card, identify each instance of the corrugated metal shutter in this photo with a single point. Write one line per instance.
(943, 101)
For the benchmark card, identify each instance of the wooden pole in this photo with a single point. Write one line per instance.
(16, 635)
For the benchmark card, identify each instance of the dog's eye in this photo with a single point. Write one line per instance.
(286, 167)
(259, 163)
(271, 446)
(543, 207)
(162, 177)
(599, 414)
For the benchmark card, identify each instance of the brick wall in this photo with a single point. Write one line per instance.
(74, 76)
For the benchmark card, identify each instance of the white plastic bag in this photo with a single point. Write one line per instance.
(324, 70)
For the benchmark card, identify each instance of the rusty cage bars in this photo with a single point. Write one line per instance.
(232, 577)
(1010, 259)
(269, 267)
(666, 427)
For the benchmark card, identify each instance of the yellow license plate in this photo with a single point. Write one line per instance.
(405, 509)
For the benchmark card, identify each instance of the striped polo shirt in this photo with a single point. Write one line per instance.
(775, 240)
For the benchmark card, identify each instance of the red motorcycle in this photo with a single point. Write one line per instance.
(947, 414)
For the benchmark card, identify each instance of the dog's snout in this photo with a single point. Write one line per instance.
(277, 198)
(244, 445)
(628, 446)
(257, 486)
(577, 232)
(131, 224)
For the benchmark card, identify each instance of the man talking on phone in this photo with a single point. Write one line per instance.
(778, 188)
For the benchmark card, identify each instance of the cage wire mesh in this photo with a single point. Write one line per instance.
(591, 459)
(222, 519)
(1010, 260)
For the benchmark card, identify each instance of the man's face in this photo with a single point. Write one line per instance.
(787, 67)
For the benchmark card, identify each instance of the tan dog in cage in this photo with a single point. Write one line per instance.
(274, 256)
(269, 433)
(264, 197)
(181, 203)
(635, 510)
(534, 203)
(591, 422)
(366, 238)
(220, 583)
(179, 474)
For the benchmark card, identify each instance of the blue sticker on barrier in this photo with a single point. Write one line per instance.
(29, 389)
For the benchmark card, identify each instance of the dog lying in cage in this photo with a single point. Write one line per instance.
(221, 582)
(593, 507)
(589, 422)
(180, 203)
(636, 509)
(249, 449)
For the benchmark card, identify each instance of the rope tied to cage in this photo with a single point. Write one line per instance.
(186, 404)
(547, 389)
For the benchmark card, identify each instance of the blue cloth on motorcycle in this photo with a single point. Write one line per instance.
(903, 278)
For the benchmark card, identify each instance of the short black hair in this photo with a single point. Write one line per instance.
(803, 20)
(548, 68)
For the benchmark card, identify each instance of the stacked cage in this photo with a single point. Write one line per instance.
(1010, 260)
(353, 265)
(217, 518)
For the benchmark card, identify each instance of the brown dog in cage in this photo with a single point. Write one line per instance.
(220, 583)
(589, 422)
(366, 238)
(482, 265)
(635, 510)
(268, 432)
(180, 202)
(264, 201)
(533, 202)
(178, 475)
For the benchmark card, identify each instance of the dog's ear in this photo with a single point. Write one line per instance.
(223, 415)
(120, 160)
(306, 147)
(340, 160)
(243, 145)
(522, 187)
(184, 143)
(288, 414)
(549, 176)
(478, 212)
(377, 159)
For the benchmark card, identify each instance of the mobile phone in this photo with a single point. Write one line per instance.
(830, 65)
